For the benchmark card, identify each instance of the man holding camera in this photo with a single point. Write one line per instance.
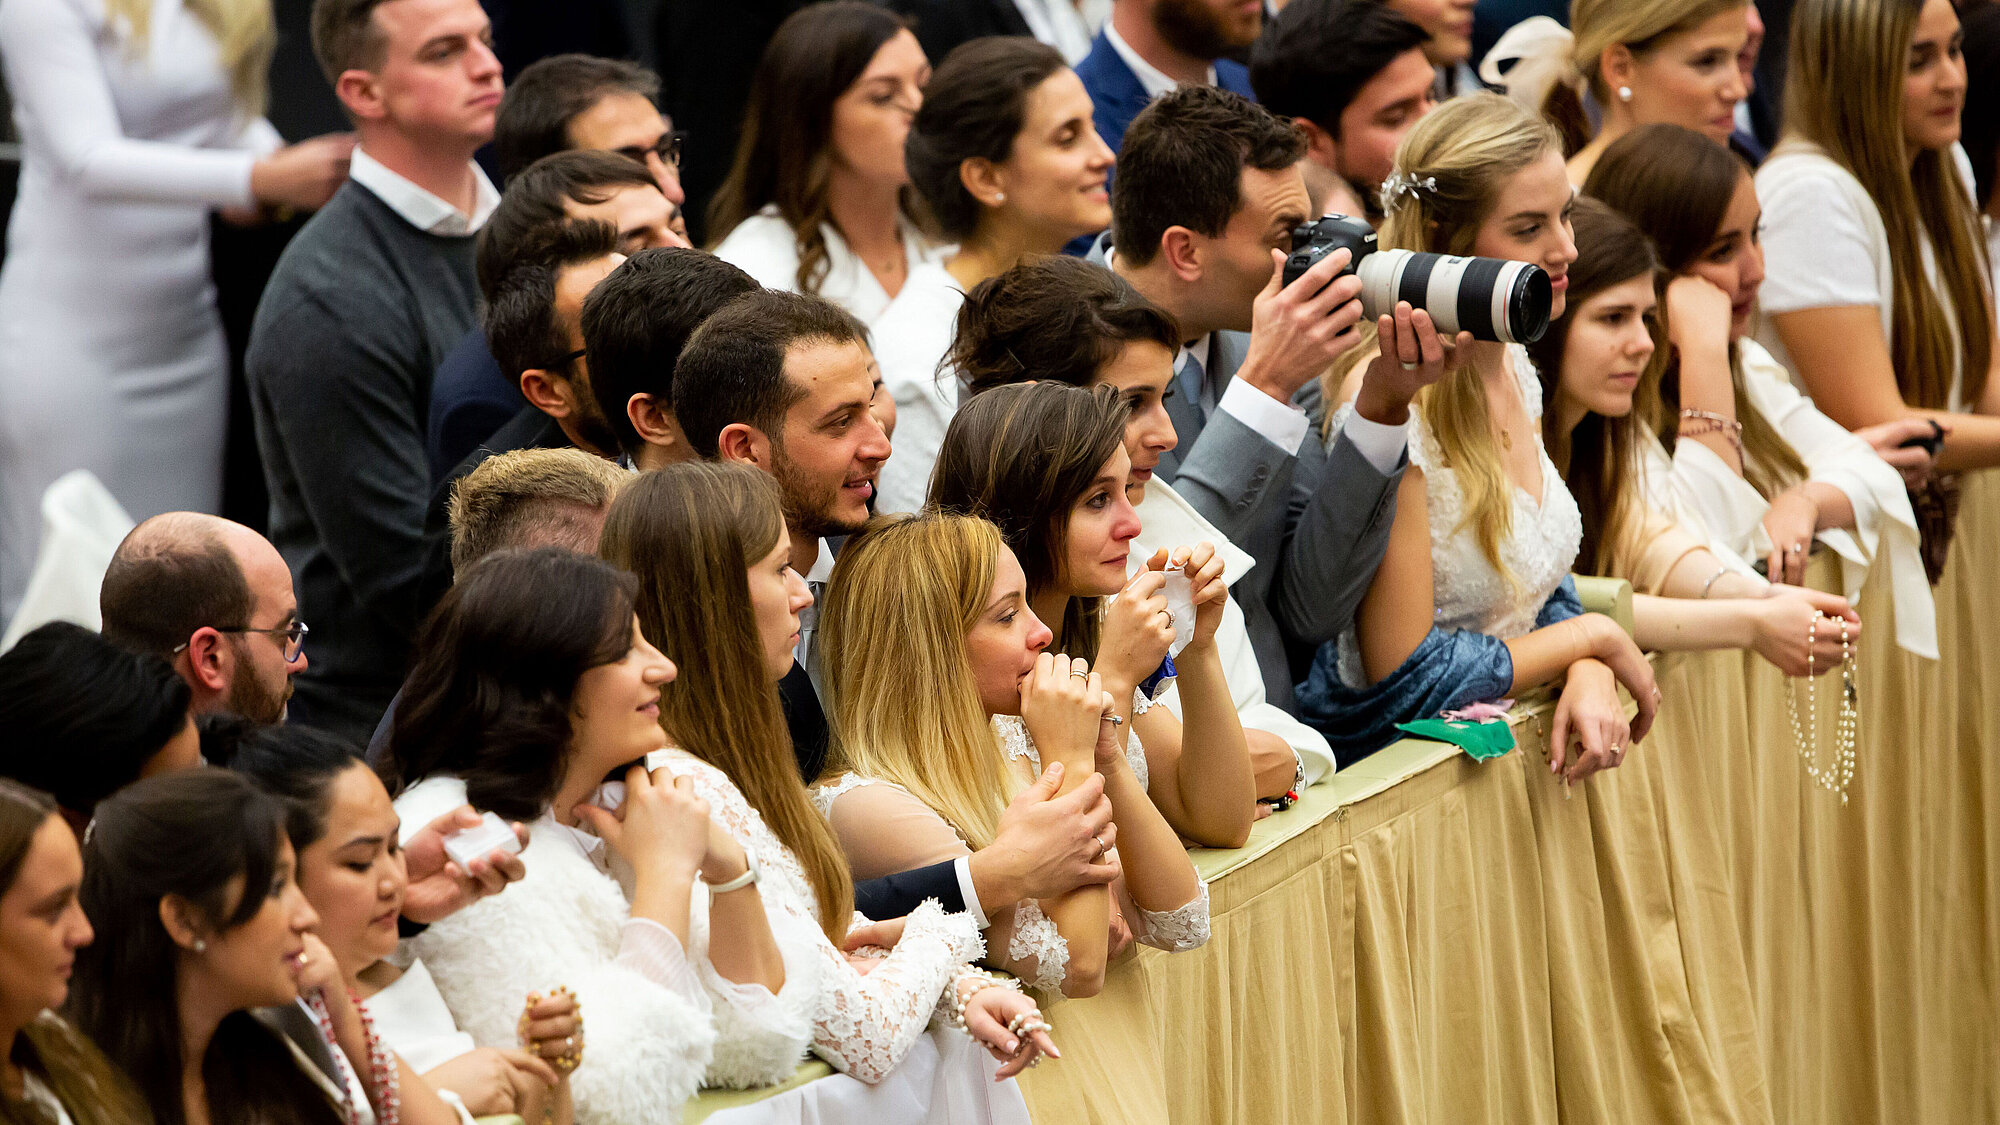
(1209, 190)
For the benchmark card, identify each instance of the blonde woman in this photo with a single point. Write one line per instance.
(1639, 62)
(945, 703)
(1877, 293)
(709, 545)
(137, 118)
(1472, 600)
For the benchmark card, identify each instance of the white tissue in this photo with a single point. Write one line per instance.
(1179, 592)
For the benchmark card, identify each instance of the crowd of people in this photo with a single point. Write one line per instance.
(831, 642)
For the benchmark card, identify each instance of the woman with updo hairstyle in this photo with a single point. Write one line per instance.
(1639, 62)
(207, 945)
(49, 1072)
(1059, 319)
(1008, 165)
(817, 200)
(1878, 296)
(1473, 600)
(1593, 364)
(1735, 454)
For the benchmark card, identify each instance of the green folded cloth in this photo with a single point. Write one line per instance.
(1480, 741)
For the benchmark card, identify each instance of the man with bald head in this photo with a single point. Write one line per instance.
(216, 599)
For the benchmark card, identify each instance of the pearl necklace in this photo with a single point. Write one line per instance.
(1840, 770)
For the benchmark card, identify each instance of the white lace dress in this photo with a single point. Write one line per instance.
(1539, 550)
(862, 1024)
(1035, 950)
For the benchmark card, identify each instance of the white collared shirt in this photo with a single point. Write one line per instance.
(417, 205)
(1154, 80)
(1060, 24)
(1285, 425)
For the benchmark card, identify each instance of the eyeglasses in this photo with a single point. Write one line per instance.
(563, 361)
(293, 636)
(667, 148)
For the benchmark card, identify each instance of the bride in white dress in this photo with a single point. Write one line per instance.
(136, 118)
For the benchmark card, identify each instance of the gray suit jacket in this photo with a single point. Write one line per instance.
(1317, 523)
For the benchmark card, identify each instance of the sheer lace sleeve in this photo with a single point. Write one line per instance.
(1177, 930)
(1035, 950)
(884, 828)
(863, 1024)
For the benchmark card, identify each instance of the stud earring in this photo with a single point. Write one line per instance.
(200, 946)
(999, 198)
(1624, 93)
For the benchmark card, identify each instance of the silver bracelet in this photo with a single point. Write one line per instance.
(1706, 586)
(748, 877)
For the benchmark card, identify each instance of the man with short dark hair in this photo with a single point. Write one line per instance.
(1149, 47)
(1209, 191)
(472, 396)
(1353, 75)
(361, 308)
(215, 599)
(583, 102)
(635, 324)
(784, 383)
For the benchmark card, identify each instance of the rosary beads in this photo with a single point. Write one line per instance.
(1840, 771)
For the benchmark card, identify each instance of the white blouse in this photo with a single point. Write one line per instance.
(1715, 503)
(764, 247)
(912, 338)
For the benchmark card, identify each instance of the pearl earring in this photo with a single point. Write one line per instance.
(200, 946)
(999, 198)
(1624, 93)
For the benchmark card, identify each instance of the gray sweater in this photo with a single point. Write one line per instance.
(359, 312)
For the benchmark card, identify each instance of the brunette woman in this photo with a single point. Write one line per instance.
(1009, 166)
(189, 877)
(48, 1072)
(817, 199)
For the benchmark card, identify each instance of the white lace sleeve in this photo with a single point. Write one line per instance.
(1037, 949)
(863, 1024)
(1177, 930)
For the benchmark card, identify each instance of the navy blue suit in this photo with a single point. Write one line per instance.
(1116, 97)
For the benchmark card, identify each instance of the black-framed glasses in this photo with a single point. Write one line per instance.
(292, 636)
(667, 148)
(567, 358)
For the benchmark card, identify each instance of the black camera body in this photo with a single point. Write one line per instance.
(1492, 298)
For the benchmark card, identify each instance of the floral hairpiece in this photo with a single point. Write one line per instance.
(1400, 184)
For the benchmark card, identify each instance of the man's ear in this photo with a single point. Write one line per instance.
(744, 444)
(360, 94)
(1184, 252)
(655, 421)
(209, 659)
(547, 392)
(1321, 148)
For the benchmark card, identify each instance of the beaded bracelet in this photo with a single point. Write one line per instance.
(957, 996)
(1711, 423)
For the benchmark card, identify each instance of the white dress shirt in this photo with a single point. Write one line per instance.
(1154, 80)
(417, 205)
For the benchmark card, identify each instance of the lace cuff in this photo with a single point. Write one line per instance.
(1036, 937)
(1177, 930)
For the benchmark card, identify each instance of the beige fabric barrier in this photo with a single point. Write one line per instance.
(1702, 936)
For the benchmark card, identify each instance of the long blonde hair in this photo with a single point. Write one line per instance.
(244, 37)
(902, 699)
(1462, 152)
(1844, 93)
(691, 532)
(1599, 25)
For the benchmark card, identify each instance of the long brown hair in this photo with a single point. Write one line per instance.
(691, 532)
(900, 690)
(1599, 458)
(1677, 185)
(1844, 93)
(784, 154)
(1022, 456)
(90, 1088)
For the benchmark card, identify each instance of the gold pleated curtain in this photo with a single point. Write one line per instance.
(1701, 936)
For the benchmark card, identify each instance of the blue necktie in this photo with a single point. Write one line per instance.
(1194, 383)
